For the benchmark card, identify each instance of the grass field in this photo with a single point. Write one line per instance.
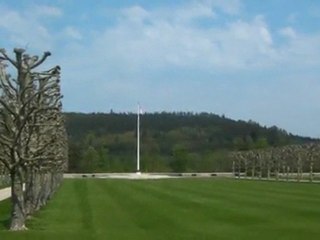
(175, 209)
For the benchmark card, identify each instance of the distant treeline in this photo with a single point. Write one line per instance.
(179, 141)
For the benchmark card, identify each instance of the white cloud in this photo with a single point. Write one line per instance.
(73, 33)
(300, 51)
(158, 41)
(237, 44)
(10, 19)
(232, 7)
(47, 11)
(135, 14)
(146, 42)
(194, 10)
(252, 39)
(184, 14)
(22, 31)
(27, 27)
(288, 32)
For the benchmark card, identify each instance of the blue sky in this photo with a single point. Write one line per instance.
(246, 59)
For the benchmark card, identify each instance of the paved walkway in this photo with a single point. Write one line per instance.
(143, 175)
(117, 175)
(5, 193)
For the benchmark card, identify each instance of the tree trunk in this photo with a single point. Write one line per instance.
(277, 171)
(253, 169)
(299, 169)
(268, 170)
(42, 191)
(18, 216)
(245, 168)
(48, 188)
(29, 192)
(233, 169)
(239, 168)
(32, 192)
(311, 169)
(36, 191)
(260, 168)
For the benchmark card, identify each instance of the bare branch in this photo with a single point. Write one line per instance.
(44, 57)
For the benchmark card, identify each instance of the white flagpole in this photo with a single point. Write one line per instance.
(138, 140)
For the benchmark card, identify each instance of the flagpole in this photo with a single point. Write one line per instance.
(138, 140)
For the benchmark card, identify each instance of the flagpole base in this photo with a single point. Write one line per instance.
(138, 173)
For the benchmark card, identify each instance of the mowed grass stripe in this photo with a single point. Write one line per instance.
(112, 219)
(262, 206)
(158, 217)
(139, 209)
(175, 209)
(244, 216)
(215, 214)
(244, 211)
(68, 215)
(190, 216)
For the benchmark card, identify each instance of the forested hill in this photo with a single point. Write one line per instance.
(169, 141)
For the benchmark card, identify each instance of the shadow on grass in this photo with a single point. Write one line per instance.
(4, 224)
(5, 214)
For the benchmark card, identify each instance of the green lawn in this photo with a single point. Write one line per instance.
(175, 209)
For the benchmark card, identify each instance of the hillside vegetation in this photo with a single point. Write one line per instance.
(106, 142)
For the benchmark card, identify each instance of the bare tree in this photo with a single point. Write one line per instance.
(30, 112)
(294, 160)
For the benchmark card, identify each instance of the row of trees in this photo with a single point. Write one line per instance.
(33, 140)
(287, 162)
